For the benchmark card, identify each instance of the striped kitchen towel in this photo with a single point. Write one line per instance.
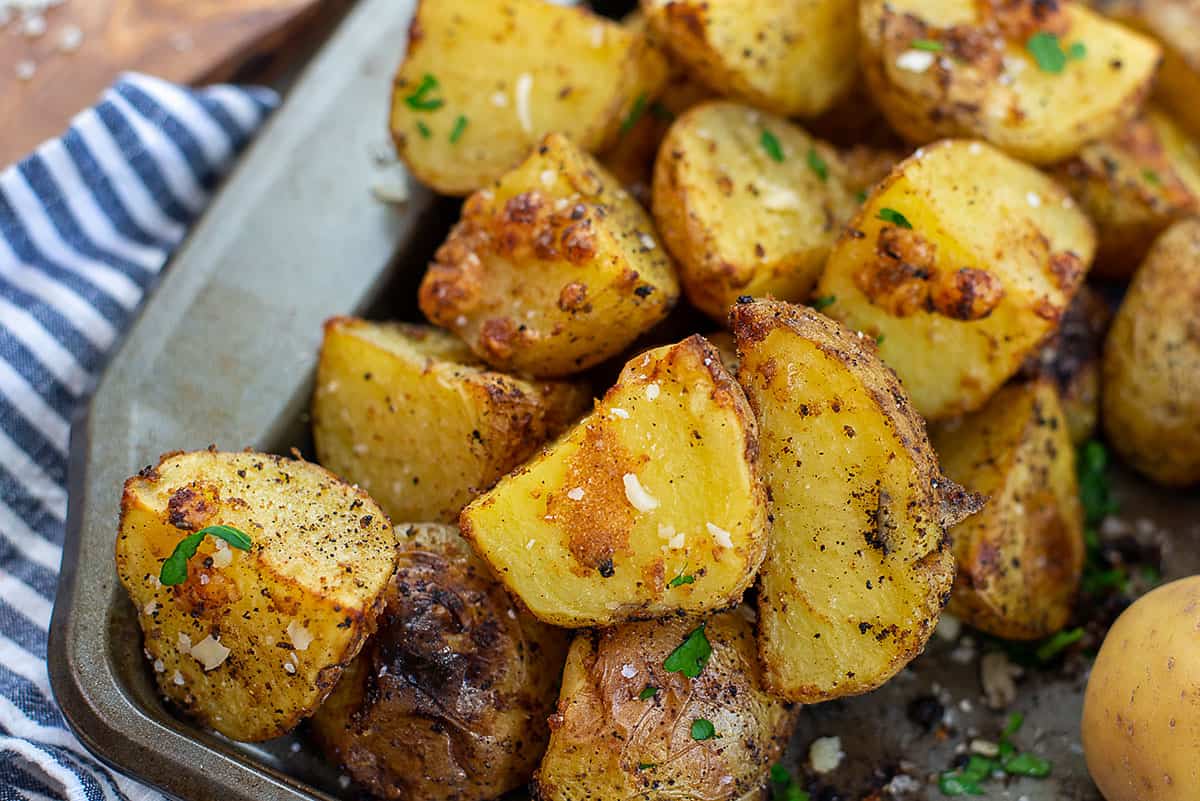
(86, 224)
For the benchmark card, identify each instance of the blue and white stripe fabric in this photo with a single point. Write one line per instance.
(86, 224)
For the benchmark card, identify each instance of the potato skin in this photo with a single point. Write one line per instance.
(1150, 399)
(603, 731)
(494, 70)
(789, 57)
(1173, 23)
(553, 269)
(737, 221)
(305, 525)
(411, 415)
(1020, 558)
(572, 534)
(1141, 722)
(858, 567)
(980, 291)
(448, 702)
(974, 89)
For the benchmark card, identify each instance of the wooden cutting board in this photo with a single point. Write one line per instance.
(188, 41)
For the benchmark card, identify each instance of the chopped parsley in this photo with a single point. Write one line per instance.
(646, 766)
(1047, 51)
(460, 125)
(1013, 725)
(420, 100)
(1027, 765)
(1094, 491)
(174, 568)
(784, 787)
(691, 656)
(703, 730)
(423, 129)
(894, 217)
(1151, 177)
(1053, 646)
(770, 143)
(928, 45)
(635, 114)
(647, 693)
(823, 302)
(681, 579)
(879, 339)
(661, 112)
(969, 778)
(817, 164)
(1077, 51)
(861, 196)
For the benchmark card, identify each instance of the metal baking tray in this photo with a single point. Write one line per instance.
(224, 353)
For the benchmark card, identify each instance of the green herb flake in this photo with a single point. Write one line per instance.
(817, 164)
(423, 130)
(953, 783)
(823, 302)
(661, 112)
(174, 568)
(647, 693)
(419, 100)
(1077, 51)
(979, 768)
(1151, 177)
(456, 133)
(1053, 646)
(770, 143)
(780, 774)
(894, 217)
(784, 787)
(703, 730)
(635, 114)
(1094, 491)
(879, 339)
(1048, 52)
(681, 579)
(928, 45)
(1013, 725)
(646, 766)
(1027, 765)
(861, 196)
(691, 656)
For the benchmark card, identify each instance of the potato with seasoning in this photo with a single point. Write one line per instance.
(1150, 404)
(411, 415)
(650, 506)
(1173, 23)
(789, 57)
(960, 263)
(483, 81)
(449, 700)
(553, 269)
(1133, 185)
(665, 709)
(1020, 558)
(748, 204)
(1037, 79)
(248, 640)
(858, 566)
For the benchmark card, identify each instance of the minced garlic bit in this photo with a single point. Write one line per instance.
(640, 499)
(524, 86)
(720, 535)
(652, 392)
(210, 653)
(575, 494)
(984, 748)
(299, 636)
(825, 754)
(617, 411)
(915, 60)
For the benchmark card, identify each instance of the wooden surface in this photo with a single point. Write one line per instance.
(189, 41)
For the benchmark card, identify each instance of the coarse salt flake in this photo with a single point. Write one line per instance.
(825, 754)
(575, 494)
(778, 198)
(628, 671)
(652, 391)
(70, 38)
(637, 495)
(523, 88)
(974, 148)
(529, 545)
(1033, 199)
(203, 579)
(33, 25)
(289, 667)
(178, 678)
(720, 535)
(210, 653)
(159, 667)
(646, 240)
(26, 69)
(499, 99)
(299, 636)
(549, 177)
(617, 411)
(915, 60)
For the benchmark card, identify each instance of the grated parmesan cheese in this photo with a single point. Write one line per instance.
(299, 636)
(617, 411)
(720, 535)
(210, 653)
(637, 495)
(915, 60)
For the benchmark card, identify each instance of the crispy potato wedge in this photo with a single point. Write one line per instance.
(449, 700)
(553, 269)
(480, 85)
(608, 742)
(748, 204)
(1133, 185)
(789, 57)
(936, 71)
(252, 642)
(1173, 24)
(411, 415)
(1151, 395)
(657, 486)
(1020, 559)
(962, 261)
(858, 567)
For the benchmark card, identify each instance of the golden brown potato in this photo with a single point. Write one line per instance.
(748, 204)
(1151, 370)
(858, 566)
(1038, 80)
(960, 263)
(1071, 359)
(411, 415)
(867, 165)
(1133, 185)
(483, 81)
(1019, 560)
(250, 642)
(551, 270)
(448, 702)
(789, 57)
(1173, 23)
(649, 506)
(627, 725)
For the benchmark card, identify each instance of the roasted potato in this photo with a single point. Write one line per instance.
(1071, 359)
(251, 642)
(789, 57)
(411, 415)
(1141, 723)
(649, 506)
(1173, 23)
(1151, 371)
(858, 567)
(483, 81)
(448, 702)
(959, 263)
(1133, 185)
(1020, 559)
(748, 204)
(626, 725)
(553, 269)
(1038, 80)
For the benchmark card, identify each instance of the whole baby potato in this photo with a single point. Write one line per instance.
(1141, 713)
